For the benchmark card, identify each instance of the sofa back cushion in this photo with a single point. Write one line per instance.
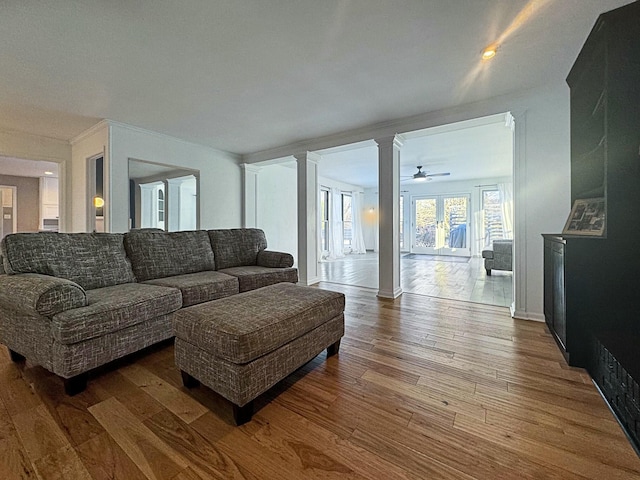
(92, 260)
(237, 247)
(165, 254)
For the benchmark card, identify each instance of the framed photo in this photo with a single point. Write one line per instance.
(587, 218)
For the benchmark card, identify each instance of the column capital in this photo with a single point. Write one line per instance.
(308, 156)
(397, 140)
(250, 167)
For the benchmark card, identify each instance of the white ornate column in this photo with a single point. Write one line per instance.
(308, 217)
(249, 195)
(389, 216)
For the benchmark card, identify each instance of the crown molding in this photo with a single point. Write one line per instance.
(89, 131)
(144, 131)
(401, 126)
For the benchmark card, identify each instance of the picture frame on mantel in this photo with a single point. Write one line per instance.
(587, 218)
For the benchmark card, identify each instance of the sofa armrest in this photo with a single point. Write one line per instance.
(40, 294)
(267, 258)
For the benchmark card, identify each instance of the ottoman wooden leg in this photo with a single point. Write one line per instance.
(243, 415)
(333, 349)
(188, 381)
(16, 357)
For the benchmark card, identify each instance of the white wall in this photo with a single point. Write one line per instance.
(220, 187)
(277, 204)
(370, 219)
(277, 207)
(89, 144)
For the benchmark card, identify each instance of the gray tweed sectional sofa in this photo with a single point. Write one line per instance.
(73, 302)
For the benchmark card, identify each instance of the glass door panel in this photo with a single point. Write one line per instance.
(454, 225)
(440, 225)
(425, 225)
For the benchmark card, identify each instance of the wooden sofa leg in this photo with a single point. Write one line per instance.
(488, 272)
(75, 385)
(189, 381)
(333, 349)
(16, 357)
(242, 415)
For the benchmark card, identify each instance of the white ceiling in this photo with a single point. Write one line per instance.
(475, 149)
(27, 168)
(247, 75)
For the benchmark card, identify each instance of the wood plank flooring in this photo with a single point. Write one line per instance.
(422, 388)
(427, 275)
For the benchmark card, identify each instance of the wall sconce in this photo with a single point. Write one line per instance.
(371, 209)
(98, 202)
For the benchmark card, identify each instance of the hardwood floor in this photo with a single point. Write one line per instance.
(456, 278)
(422, 388)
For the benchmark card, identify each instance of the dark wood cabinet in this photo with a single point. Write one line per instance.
(591, 289)
(554, 290)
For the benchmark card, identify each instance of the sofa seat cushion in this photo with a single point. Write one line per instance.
(244, 327)
(157, 254)
(111, 309)
(237, 247)
(200, 287)
(252, 277)
(92, 260)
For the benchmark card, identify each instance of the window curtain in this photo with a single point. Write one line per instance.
(506, 202)
(357, 242)
(336, 241)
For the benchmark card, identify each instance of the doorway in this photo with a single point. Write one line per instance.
(9, 220)
(439, 225)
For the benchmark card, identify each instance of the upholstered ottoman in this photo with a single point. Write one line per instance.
(240, 346)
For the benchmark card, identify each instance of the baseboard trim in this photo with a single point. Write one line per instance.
(390, 294)
(522, 315)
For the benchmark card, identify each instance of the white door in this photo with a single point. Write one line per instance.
(441, 225)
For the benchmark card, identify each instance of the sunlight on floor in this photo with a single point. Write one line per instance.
(451, 278)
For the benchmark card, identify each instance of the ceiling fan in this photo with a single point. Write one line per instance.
(424, 176)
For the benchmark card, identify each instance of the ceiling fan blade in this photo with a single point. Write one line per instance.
(443, 174)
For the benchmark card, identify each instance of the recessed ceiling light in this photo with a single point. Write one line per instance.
(48, 173)
(489, 52)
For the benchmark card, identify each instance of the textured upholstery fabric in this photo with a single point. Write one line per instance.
(92, 260)
(71, 360)
(200, 287)
(237, 247)
(29, 334)
(114, 308)
(241, 383)
(40, 294)
(499, 257)
(244, 327)
(253, 277)
(267, 258)
(165, 254)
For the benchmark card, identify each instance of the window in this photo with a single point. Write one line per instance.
(324, 220)
(492, 216)
(347, 220)
(160, 205)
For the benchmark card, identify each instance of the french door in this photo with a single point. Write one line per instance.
(440, 225)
